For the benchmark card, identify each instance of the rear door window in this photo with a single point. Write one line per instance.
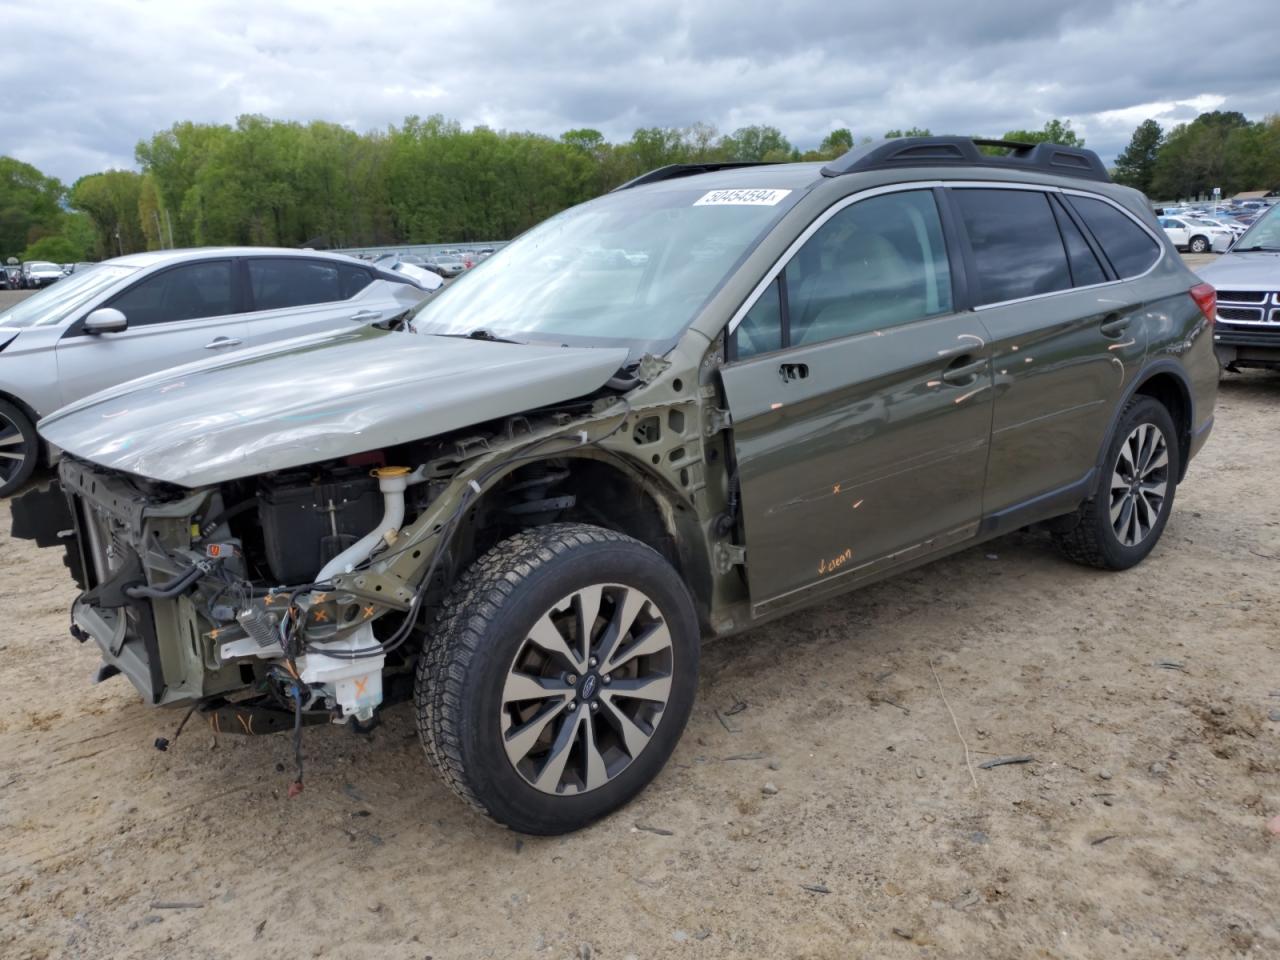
(1016, 245)
(1130, 249)
(1085, 268)
(279, 282)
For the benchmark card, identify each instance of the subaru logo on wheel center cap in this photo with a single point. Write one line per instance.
(589, 686)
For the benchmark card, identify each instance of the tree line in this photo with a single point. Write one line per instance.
(1221, 149)
(269, 182)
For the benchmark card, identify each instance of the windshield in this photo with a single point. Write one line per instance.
(628, 269)
(55, 303)
(1264, 234)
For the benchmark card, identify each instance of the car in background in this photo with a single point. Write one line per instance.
(40, 273)
(147, 312)
(1247, 279)
(9, 278)
(410, 266)
(1227, 223)
(1196, 237)
(447, 265)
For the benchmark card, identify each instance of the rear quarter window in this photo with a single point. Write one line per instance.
(1130, 249)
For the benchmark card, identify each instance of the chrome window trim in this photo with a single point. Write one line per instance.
(781, 263)
(819, 222)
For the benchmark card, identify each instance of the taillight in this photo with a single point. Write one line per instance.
(1206, 299)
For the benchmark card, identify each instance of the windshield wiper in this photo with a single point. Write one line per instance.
(480, 333)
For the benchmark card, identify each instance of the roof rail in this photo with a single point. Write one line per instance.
(674, 170)
(963, 151)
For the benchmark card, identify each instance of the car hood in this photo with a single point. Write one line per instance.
(315, 398)
(1233, 270)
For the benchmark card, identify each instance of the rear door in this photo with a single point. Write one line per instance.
(295, 296)
(861, 403)
(1066, 337)
(1176, 230)
(176, 315)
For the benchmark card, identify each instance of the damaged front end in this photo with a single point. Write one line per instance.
(292, 595)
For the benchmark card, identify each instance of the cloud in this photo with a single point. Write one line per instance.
(92, 80)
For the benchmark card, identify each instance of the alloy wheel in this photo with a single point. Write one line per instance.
(13, 449)
(586, 689)
(1139, 484)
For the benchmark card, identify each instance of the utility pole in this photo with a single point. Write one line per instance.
(159, 232)
(169, 223)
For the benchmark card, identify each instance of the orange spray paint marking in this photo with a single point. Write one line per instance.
(360, 685)
(857, 505)
(835, 489)
(368, 611)
(320, 615)
(835, 563)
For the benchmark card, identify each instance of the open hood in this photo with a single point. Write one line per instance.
(315, 398)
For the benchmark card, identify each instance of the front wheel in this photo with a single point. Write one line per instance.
(19, 448)
(558, 677)
(1133, 496)
(1199, 245)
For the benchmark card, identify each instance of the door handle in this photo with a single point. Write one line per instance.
(1115, 324)
(217, 343)
(793, 371)
(365, 315)
(962, 370)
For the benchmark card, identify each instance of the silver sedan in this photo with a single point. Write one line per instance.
(147, 312)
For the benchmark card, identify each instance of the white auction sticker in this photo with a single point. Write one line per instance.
(751, 198)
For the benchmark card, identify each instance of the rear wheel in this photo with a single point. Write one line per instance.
(559, 677)
(1124, 519)
(19, 447)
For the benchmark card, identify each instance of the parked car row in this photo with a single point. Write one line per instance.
(36, 274)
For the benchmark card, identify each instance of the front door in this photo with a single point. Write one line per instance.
(861, 404)
(179, 315)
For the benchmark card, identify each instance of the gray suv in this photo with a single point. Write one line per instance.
(526, 504)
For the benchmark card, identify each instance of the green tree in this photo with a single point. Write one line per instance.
(1054, 131)
(755, 143)
(110, 200)
(30, 205)
(1195, 157)
(57, 248)
(1136, 164)
(909, 132)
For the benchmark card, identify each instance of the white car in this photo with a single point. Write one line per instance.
(147, 312)
(1235, 226)
(1195, 236)
(40, 273)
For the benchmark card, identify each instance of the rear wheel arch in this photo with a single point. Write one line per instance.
(1167, 383)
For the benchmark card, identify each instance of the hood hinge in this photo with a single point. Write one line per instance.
(729, 555)
(717, 420)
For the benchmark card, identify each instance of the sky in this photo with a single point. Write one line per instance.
(89, 78)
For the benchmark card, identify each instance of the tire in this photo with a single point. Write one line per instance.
(579, 747)
(1198, 245)
(19, 448)
(1106, 534)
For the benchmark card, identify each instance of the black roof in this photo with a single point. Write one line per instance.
(963, 151)
(902, 152)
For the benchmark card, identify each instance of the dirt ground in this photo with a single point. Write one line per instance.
(1149, 700)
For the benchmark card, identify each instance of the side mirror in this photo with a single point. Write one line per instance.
(105, 320)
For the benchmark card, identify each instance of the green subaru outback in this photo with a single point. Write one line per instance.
(711, 397)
